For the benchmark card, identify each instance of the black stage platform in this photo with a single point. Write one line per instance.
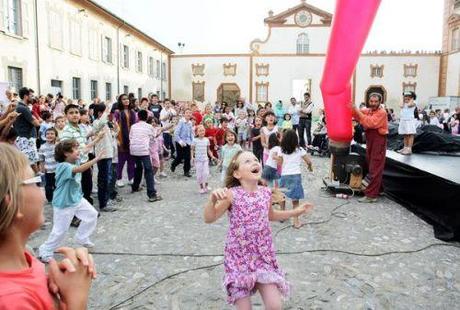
(428, 185)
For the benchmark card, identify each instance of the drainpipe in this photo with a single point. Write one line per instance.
(37, 48)
(118, 57)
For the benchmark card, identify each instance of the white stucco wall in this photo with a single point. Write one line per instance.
(19, 51)
(182, 77)
(283, 70)
(284, 40)
(64, 63)
(453, 75)
(427, 78)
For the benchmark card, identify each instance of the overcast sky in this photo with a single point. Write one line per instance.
(223, 26)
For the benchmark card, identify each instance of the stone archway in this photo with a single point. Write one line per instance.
(376, 89)
(228, 92)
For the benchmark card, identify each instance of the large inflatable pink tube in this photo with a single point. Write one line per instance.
(351, 25)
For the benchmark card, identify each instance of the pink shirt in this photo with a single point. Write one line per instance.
(139, 138)
(25, 289)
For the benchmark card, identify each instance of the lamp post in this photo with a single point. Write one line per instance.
(181, 46)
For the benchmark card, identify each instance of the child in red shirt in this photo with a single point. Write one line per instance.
(211, 133)
(23, 281)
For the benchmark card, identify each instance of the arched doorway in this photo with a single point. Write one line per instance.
(379, 89)
(228, 92)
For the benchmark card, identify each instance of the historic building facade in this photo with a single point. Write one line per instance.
(289, 61)
(78, 48)
(449, 82)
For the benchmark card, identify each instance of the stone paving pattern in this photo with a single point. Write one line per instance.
(162, 239)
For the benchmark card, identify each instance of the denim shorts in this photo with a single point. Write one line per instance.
(270, 173)
(293, 185)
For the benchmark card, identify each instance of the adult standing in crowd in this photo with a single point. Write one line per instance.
(407, 123)
(155, 105)
(25, 125)
(166, 115)
(375, 122)
(125, 118)
(305, 117)
(293, 109)
(184, 138)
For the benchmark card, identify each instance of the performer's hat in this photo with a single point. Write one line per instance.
(410, 94)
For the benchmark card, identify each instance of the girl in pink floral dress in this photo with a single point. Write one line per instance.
(250, 261)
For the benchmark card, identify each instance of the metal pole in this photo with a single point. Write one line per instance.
(37, 48)
(161, 75)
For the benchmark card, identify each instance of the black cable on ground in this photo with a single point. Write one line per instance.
(158, 282)
(278, 253)
(332, 214)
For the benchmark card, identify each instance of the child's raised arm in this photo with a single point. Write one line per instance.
(276, 215)
(219, 201)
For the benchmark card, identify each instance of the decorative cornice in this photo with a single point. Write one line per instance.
(198, 69)
(262, 69)
(229, 69)
(377, 71)
(410, 70)
(281, 17)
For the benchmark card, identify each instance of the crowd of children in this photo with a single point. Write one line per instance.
(69, 139)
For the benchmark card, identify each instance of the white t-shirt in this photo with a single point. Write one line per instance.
(170, 113)
(291, 162)
(270, 161)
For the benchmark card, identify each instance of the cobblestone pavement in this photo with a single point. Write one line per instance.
(161, 255)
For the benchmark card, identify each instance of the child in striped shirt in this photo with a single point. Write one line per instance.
(48, 162)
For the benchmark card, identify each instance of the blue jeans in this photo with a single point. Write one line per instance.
(104, 167)
(144, 164)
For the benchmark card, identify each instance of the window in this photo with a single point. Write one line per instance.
(139, 61)
(158, 69)
(108, 91)
(303, 44)
(125, 56)
(151, 66)
(455, 39)
(262, 69)
(125, 89)
(198, 91)
(12, 17)
(107, 50)
(163, 71)
(139, 93)
(93, 89)
(456, 4)
(15, 77)
(76, 88)
(262, 92)
(409, 86)
(56, 35)
(376, 71)
(56, 86)
(75, 37)
(410, 70)
(163, 95)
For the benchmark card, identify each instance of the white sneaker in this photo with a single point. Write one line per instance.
(163, 174)
(130, 182)
(94, 191)
(120, 183)
(87, 244)
(156, 180)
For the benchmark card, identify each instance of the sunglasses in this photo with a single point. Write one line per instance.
(35, 180)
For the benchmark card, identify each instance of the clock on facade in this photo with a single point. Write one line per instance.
(303, 18)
